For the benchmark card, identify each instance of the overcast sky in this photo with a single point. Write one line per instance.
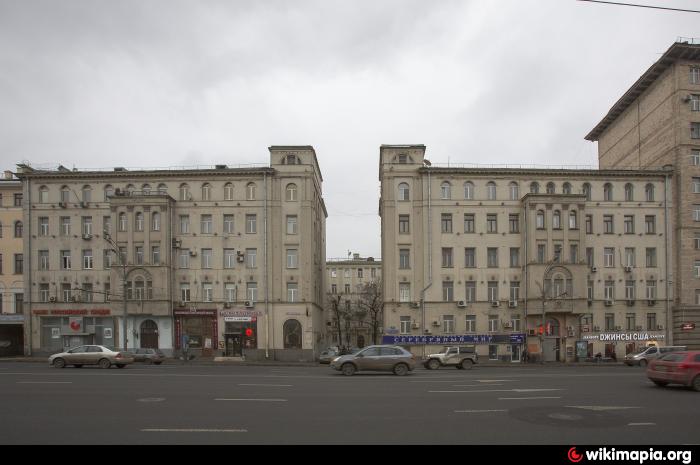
(160, 83)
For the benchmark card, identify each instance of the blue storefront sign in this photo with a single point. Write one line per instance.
(518, 338)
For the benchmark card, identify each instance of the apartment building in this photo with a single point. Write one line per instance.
(225, 261)
(11, 267)
(561, 263)
(346, 280)
(656, 123)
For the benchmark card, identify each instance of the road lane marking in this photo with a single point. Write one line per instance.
(44, 382)
(641, 424)
(255, 400)
(599, 408)
(269, 385)
(505, 390)
(474, 385)
(494, 380)
(151, 399)
(192, 430)
(526, 398)
(480, 411)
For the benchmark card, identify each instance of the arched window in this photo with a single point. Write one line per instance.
(155, 221)
(18, 228)
(608, 192)
(404, 191)
(185, 192)
(556, 219)
(139, 221)
(649, 192)
(43, 194)
(468, 190)
(514, 191)
(292, 334)
(0, 232)
(87, 193)
(130, 189)
(573, 220)
(587, 191)
(291, 192)
(534, 188)
(206, 191)
(551, 189)
(162, 188)
(109, 191)
(228, 191)
(146, 189)
(65, 194)
(491, 190)
(250, 191)
(123, 222)
(139, 286)
(291, 159)
(566, 188)
(445, 191)
(629, 192)
(540, 219)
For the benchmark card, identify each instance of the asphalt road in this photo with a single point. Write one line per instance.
(176, 404)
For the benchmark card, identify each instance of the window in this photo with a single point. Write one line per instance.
(206, 191)
(292, 258)
(551, 188)
(629, 192)
(347, 289)
(447, 257)
(138, 252)
(107, 224)
(43, 194)
(65, 260)
(492, 257)
(534, 188)
(108, 192)
(470, 287)
(251, 224)
(206, 224)
(139, 221)
(589, 224)
(18, 229)
(696, 269)
(493, 325)
(573, 253)
(292, 335)
(694, 75)
(540, 219)
(649, 192)
(403, 158)
(155, 255)
(207, 292)
(146, 189)
(292, 292)
(696, 241)
(492, 224)
(630, 256)
(608, 224)
(541, 253)
(291, 193)
(609, 255)
(610, 290)
(228, 224)
(468, 191)
(107, 259)
(651, 257)
(566, 188)
(445, 191)
(557, 253)
(471, 323)
(184, 224)
(43, 226)
(130, 189)
(404, 192)
(608, 192)
(468, 222)
(514, 257)
(185, 292)
(587, 191)
(155, 221)
(43, 292)
(251, 258)
(19, 263)
(556, 219)
(631, 321)
(292, 224)
(250, 191)
(207, 259)
(493, 291)
(65, 194)
(514, 191)
(228, 191)
(470, 257)
(491, 190)
(696, 212)
(184, 258)
(87, 259)
(514, 291)
(629, 290)
(651, 289)
(448, 291)
(185, 192)
(446, 222)
(573, 220)
(651, 321)
(590, 256)
(404, 259)
(44, 260)
(514, 223)
(590, 289)
(695, 130)
(405, 292)
(405, 324)
(123, 222)
(448, 324)
(629, 224)
(230, 292)
(252, 291)
(229, 258)
(66, 291)
(404, 227)
(650, 224)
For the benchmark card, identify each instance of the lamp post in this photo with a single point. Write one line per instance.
(122, 262)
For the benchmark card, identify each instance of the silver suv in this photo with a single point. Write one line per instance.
(463, 357)
(376, 358)
(650, 353)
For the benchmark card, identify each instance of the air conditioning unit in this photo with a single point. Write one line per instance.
(628, 269)
(52, 299)
(512, 304)
(62, 204)
(415, 304)
(630, 302)
(227, 304)
(193, 253)
(531, 332)
(183, 303)
(570, 333)
(495, 303)
(414, 326)
(240, 258)
(427, 331)
(569, 328)
(435, 323)
(83, 204)
(87, 237)
(608, 303)
(594, 269)
(248, 304)
(660, 327)
(651, 303)
(596, 328)
(590, 302)
(507, 324)
(462, 304)
(618, 328)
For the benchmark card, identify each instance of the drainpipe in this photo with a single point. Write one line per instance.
(267, 309)
(527, 274)
(430, 262)
(28, 263)
(669, 316)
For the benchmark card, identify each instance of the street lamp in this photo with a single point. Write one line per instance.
(122, 261)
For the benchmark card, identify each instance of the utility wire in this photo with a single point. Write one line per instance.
(641, 6)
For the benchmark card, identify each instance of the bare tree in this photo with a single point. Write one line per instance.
(371, 306)
(335, 308)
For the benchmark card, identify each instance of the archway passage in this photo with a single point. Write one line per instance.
(292, 334)
(149, 335)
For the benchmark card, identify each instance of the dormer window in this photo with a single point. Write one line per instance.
(403, 159)
(291, 159)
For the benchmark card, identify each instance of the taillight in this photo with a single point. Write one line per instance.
(118, 356)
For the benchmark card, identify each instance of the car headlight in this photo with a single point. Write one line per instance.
(335, 359)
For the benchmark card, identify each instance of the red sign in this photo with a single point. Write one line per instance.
(687, 326)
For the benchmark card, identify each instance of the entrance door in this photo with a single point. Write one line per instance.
(515, 353)
(149, 335)
(233, 345)
(550, 349)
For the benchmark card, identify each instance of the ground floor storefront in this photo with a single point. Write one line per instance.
(11, 335)
(495, 347)
(57, 329)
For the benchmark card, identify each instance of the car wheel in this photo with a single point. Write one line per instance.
(104, 363)
(348, 369)
(78, 366)
(696, 383)
(401, 369)
(59, 363)
(660, 383)
(467, 364)
(643, 363)
(120, 365)
(433, 364)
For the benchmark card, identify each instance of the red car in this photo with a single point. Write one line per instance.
(676, 368)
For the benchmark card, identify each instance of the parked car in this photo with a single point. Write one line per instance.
(328, 355)
(463, 357)
(91, 355)
(643, 357)
(676, 368)
(149, 356)
(376, 358)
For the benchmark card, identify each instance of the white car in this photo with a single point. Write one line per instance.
(91, 355)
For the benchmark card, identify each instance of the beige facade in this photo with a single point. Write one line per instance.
(346, 279)
(657, 123)
(468, 252)
(222, 261)
(11, 267)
